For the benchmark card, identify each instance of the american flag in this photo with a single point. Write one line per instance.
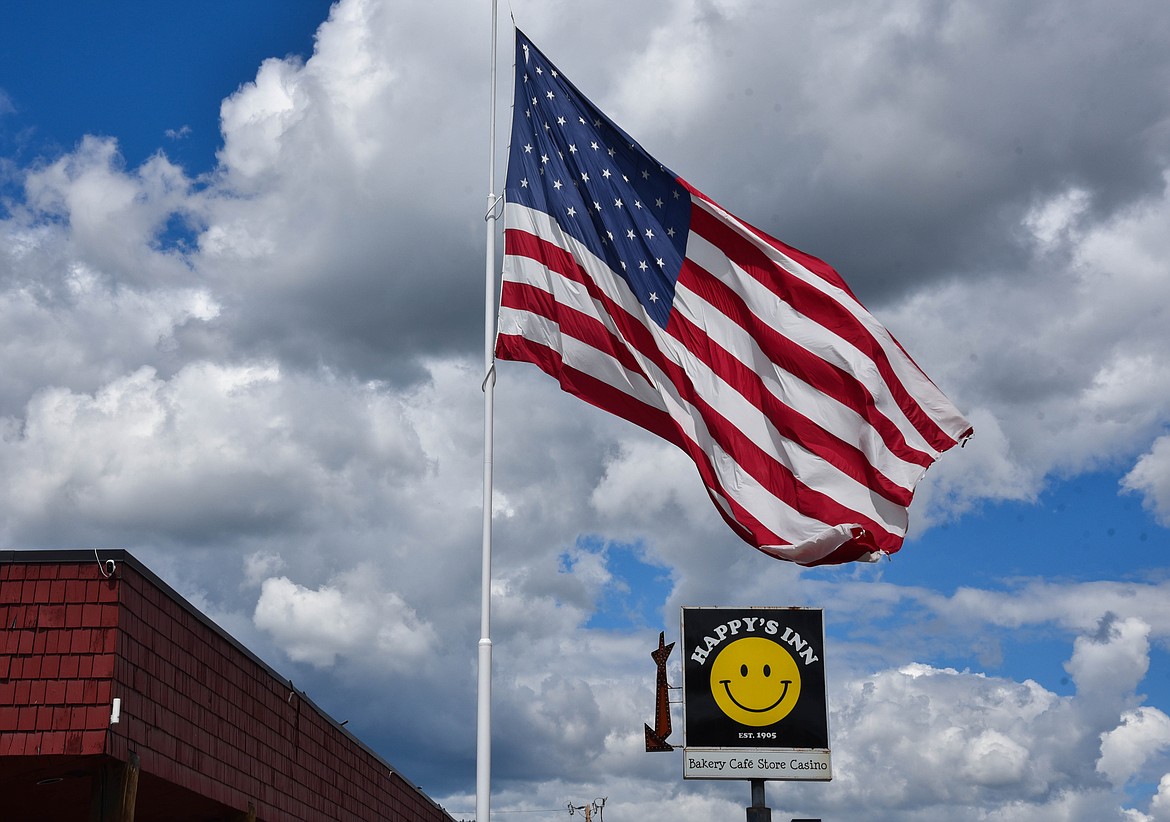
(809, 424)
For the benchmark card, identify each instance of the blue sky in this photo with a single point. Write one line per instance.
(1099, 530)
(150, 74)
(240, 276)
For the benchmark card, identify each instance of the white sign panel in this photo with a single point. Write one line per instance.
(764, 763)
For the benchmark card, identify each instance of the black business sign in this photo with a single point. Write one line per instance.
(754, 694)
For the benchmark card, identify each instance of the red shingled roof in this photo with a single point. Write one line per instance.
(215, 729)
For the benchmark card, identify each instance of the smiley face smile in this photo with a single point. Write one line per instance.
(726, 683)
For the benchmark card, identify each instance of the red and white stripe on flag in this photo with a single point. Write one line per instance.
(809, 424)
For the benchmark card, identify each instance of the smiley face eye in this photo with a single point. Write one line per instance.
(743, 670)
(767, 670)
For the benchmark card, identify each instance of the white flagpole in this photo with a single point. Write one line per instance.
(483, 729)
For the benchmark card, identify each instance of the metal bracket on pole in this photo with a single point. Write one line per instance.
(493, 212)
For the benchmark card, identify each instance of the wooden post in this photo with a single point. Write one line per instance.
(115, 791)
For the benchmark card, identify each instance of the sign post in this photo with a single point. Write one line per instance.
(754, 700)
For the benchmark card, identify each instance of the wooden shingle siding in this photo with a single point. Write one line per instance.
(57, 655)
(197, 709)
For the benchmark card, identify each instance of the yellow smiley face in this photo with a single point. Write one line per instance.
(755, 681)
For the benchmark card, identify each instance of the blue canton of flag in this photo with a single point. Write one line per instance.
(808, 423)
(571, 162)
